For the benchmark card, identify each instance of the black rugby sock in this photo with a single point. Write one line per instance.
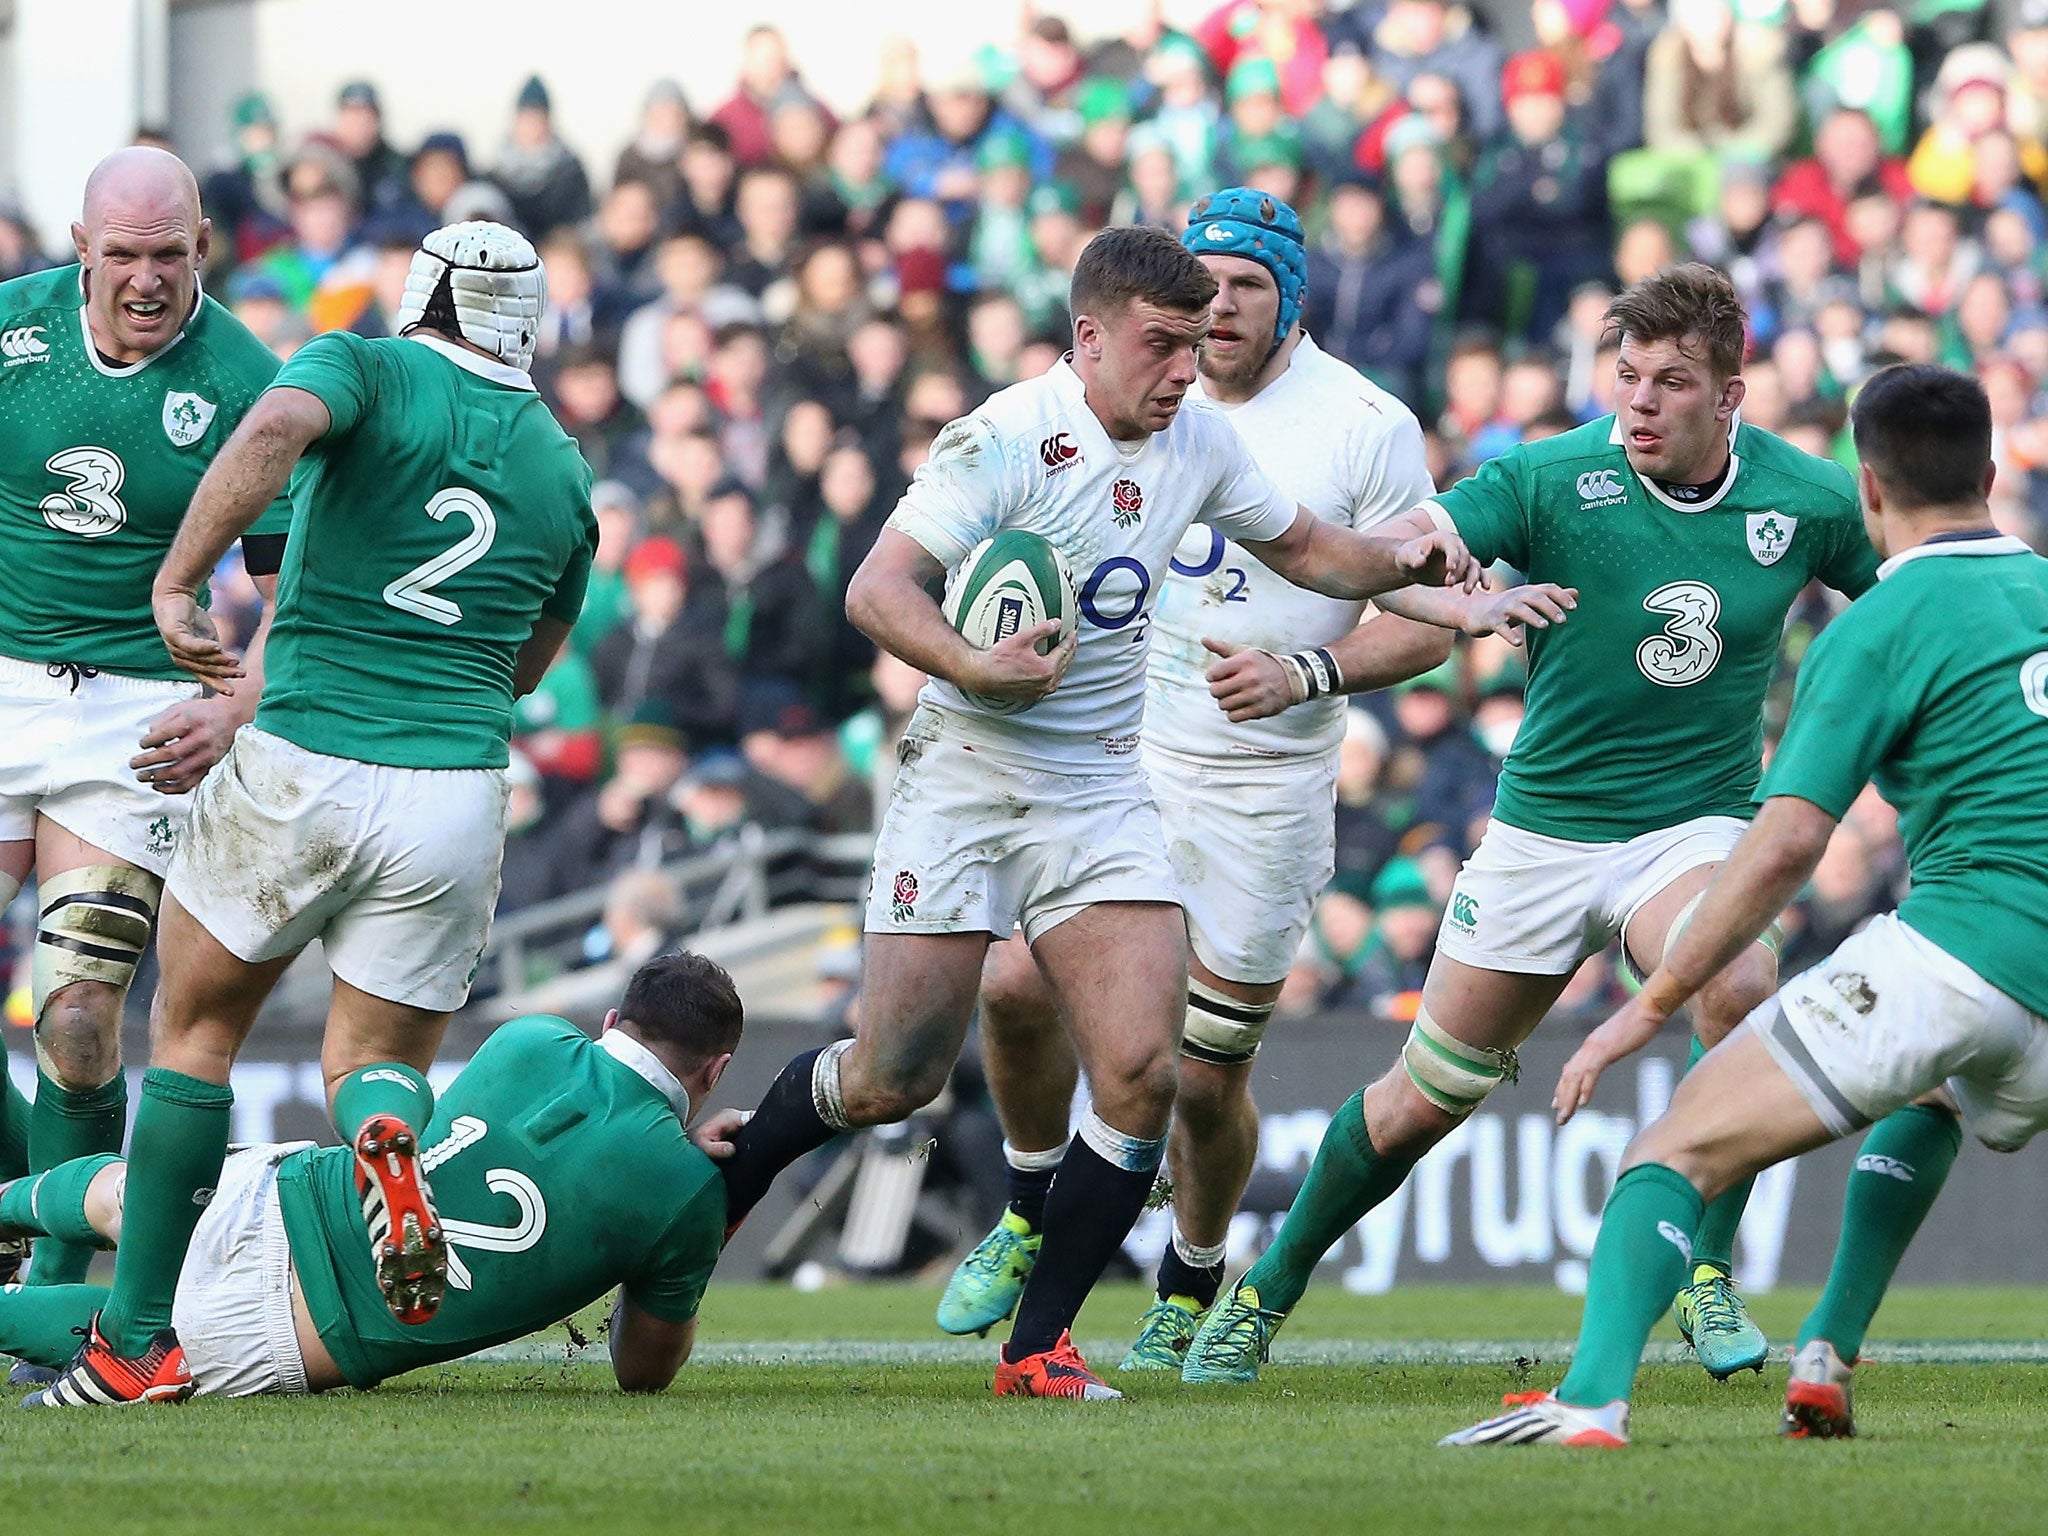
(785, 1126)
(1088, 1214)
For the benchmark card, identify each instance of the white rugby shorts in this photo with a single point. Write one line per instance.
(64, 752)
(972, 845)
(395, 870)
(1534, 905)
(1252, 842)
(233, 1310)
(1891, 1015)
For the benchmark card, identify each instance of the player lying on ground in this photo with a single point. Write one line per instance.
(1687, 538)
(121, 384)
(1936, 683)
(1244, 714)
(441, 539)
(1043, 817)
(563, 1171)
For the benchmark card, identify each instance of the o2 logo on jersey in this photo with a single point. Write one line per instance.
(478, 1236)
(90, 505)
(1126, 502)
(1114, 594)
(1058, 454)
(1689, 646)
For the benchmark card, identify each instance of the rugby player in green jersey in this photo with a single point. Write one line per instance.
(119, 382)
(441, 540)
(1687, 537)
(563, 1170)
(1935, 685)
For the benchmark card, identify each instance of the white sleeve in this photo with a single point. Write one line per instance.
(1242, 503)
(958, 497)
(1390, 466)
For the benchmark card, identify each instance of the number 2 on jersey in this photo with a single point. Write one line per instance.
(1689, 646)
(413, 592)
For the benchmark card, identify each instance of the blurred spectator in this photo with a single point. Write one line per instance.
(606, 603)
(1094, 163)
(585, 393)
(1869, 68)
(541, 174)
(1718, 86)
(806, 780)
(21, 250)
(525, 875)
(1041, 95)
(1370, 820)
(641, 916)
(691, 274)
(559, 729)
(1448, 771)
(320, 270)
(438, 170)
(710, 180)
(654, 157)
(1848, 162)
(767, 80)
(670, 650)
(245, 198)
(853, 509)
(755, 592)
(1407, 38)
(767, 207)
(631, 819)
(1404, 922)
(380, 172)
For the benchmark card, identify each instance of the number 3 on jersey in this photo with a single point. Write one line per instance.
(413, 592)
(1689, 646)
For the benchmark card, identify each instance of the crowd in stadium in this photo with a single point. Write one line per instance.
(762, 311)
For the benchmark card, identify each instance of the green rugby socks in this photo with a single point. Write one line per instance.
(383, 1088)
(1347, 1179)
(67, 1124)
(1714, 1242)
(1640, 1259)
(14, 1119)
(1899, 1170)
(52, 1203)
(41, 1323)
(181, 1140)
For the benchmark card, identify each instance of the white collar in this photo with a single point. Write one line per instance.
(628, 1052)
(1651, 488)
(1998, 544)
(483, 367)
(129, 370)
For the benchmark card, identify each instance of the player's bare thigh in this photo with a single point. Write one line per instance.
(1118, 970)
(916, 999)
(1733, 1114)
(207, 998)
(1027, 1049)
(1732, 995)
(78, 1037)
(1492, 1010)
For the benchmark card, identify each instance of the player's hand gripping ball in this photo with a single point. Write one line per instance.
(1008, 586)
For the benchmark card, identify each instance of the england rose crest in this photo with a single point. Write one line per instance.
(1127, 500)
(903, 897)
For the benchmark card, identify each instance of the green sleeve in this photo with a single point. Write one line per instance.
(567, 602)
(1851, 566)
(340, 370)
(1849, 709)
(671, 1284)
(1491, 511)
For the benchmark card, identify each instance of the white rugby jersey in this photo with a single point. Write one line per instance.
(1035, 457)
(1352, 454)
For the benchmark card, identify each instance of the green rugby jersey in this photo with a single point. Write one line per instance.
(441, 514)
(1645, 708)
(97, 464)
(1936, 686)
(559, 1172)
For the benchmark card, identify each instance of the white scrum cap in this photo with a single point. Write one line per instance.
(482, 280)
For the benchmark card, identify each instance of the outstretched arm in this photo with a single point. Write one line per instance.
(242, 481)
(1763, 872)
(1341, 562)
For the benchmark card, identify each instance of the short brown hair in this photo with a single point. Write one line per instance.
(1138, 261)
(1925, 432)
(1693, 305)
(686, 1002)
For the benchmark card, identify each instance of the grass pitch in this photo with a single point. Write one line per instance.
(846, 1412)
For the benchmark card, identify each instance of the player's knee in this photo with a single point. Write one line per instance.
(94, 924)
(1014, 999)
(1741, 988)
(78, 1037)
(1137, 1087)
(1211, 1098)
(896, 1092)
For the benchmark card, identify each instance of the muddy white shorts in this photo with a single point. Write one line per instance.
(233, 1310)
(970, 845)
(1891, 1015)
(1536, 906)
(1252, 842)
(395, 870)
(65, 743)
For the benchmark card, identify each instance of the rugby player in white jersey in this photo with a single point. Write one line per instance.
(1247, 801)
(1043, 817)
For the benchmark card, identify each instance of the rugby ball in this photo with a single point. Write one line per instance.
(1006, 584)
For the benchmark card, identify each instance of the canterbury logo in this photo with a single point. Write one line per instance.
(386, 1075)
(1057, 453)
(1890, 1167)
(1676, 1239)
(23, 344)
(1599, 485)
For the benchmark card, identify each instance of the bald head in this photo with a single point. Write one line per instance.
(140, 242)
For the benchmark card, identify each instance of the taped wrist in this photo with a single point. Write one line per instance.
(1222, 1029)
(1452, 1075)
(1311, 674)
